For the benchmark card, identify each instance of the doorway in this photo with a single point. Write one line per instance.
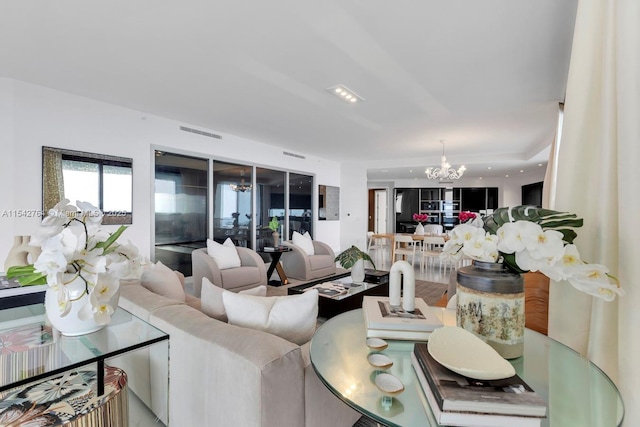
(377, 210)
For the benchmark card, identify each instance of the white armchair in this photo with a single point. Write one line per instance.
(298, 265)
(250, 274)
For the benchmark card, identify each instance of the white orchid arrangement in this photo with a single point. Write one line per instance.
(74, 246)
(525, 239)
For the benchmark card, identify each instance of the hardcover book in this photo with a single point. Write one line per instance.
(465, 419)
(386, 321)
(329, 289)
(456, 393)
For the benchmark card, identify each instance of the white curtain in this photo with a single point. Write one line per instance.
(598, 178)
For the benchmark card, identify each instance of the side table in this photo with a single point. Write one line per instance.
(275, 255)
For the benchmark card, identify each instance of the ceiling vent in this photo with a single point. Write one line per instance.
(298, 156)
(200, 132)
(445, 182)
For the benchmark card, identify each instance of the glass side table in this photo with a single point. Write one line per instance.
(578, 393)
(30, 350)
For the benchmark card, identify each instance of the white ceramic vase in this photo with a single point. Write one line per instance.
(419, 229)
(71, 325)
(357, 272)
(276, 238)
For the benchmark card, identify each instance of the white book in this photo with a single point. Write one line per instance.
(465, 419)
(385, 321)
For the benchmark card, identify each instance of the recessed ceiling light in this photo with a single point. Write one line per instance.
(480, 178)
(506, 176)
(345, 94)
(410, 170)
(539, 164)
(521, 171)
(489, 167)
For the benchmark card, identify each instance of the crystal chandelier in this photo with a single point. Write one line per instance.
(241, 187)
(444, 171)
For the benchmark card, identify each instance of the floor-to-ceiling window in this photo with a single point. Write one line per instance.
(300, 203)
(270, 198)
(232, 198)
(181, 213)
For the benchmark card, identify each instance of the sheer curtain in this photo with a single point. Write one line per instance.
(52, 182)
(598, 178)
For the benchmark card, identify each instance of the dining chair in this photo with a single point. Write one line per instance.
(405, 246)
(433, 229)
(431, 250)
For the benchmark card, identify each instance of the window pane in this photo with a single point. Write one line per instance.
(117, 187)
(270, 203)
(81, 181)
(232, 203)
(300, 208)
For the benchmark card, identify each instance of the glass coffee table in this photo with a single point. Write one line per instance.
(352, 299)
(31, 350)
(578, 393)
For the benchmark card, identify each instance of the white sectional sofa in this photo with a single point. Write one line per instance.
(225, 375)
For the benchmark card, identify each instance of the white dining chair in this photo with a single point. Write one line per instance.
(405, 246)
(431, 250)
(433, 229)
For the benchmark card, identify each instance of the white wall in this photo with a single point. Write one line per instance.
(33, 116)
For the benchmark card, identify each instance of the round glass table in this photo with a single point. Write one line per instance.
(577, 392)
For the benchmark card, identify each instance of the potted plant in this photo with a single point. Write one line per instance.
(274, 226)
(354, 258)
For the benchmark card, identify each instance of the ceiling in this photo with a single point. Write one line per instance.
(484, 76)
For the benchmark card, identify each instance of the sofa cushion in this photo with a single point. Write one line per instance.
(292, 317)
(304, 241)
(161, 280)
(211, 300)
(225, 255)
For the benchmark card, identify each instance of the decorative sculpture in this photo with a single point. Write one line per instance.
(409, 288)
(21, 252)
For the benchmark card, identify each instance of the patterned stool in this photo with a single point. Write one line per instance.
(69, 399)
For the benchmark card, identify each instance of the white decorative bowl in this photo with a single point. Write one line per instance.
(463, 352)
(376, 344)
(380, 360)
(389, 384)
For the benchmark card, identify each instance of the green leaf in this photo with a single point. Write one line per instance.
(349, 257)
(26, 275)
(112, 238)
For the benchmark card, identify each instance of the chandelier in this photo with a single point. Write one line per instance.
(241, 187)
(444, 171)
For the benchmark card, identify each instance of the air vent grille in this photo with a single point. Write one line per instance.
(200, 132)
(286, 153)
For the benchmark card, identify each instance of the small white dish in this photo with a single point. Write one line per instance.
(376, 344)
(461, 351)
(380, 360)
(389, 384)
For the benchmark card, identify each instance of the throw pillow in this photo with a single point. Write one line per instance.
(304, 241)
(225, 255)
(161, 280)
(292, 317)
(211, 298)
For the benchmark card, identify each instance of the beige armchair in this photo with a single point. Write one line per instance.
(298, 265)
(250, 274)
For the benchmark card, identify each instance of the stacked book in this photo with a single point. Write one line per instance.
(456, 400)
(330, 289)
(384, 320)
